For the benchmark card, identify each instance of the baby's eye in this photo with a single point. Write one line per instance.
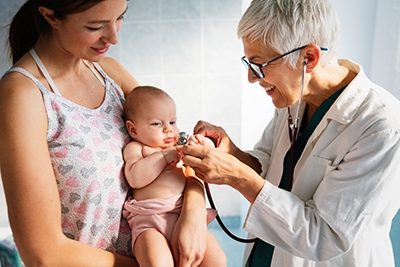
(156, 123)
(172, 122)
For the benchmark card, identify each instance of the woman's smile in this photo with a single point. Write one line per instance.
(269, 90)
(101, 50)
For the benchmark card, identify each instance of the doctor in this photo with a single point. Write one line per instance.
(323, 181)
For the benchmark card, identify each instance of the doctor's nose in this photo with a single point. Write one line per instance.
(251, 77)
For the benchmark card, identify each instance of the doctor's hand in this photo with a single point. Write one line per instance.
(212, 165)
(217, 135)
(218, 167)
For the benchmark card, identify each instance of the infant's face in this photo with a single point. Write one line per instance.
(157, 127)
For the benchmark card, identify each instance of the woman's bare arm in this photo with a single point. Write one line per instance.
(30, 187)
(189, 238)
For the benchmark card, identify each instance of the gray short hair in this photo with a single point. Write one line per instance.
(283, 25)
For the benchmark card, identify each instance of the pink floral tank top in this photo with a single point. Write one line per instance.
(85, 147)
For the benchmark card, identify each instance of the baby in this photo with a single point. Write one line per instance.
(154, 170)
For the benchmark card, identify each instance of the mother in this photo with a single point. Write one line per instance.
(61, 138)
(323, 180)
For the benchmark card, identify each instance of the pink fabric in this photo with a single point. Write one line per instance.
(156, 214)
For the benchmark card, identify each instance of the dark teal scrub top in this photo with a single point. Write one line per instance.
(261, 254)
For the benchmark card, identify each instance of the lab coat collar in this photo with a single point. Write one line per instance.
(348, 103)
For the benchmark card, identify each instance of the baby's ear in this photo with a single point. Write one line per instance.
(130, 126)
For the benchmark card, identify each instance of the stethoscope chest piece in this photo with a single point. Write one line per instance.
(183, 138)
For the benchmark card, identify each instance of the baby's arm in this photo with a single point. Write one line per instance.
(144, 164)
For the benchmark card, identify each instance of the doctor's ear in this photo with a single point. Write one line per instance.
(310, 58)
(311, 54)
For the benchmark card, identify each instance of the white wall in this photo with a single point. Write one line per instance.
(385, 63)
(357, 19)
(3, 207)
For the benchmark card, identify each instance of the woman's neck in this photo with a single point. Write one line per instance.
(55, 58)
(323, 84)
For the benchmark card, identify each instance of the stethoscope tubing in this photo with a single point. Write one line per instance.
(221, 223)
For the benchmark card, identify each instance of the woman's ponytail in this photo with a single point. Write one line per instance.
(23, 31)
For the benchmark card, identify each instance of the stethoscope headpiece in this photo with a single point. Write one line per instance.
(183, 138)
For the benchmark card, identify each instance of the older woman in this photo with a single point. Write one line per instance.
(323, 180)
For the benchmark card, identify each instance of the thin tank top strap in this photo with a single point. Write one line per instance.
(44, 71)
(94, 72)
(24, 72)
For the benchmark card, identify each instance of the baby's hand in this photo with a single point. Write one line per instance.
(171, 155)
(200, 140)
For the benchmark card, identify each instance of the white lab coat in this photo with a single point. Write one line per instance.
(346, 187)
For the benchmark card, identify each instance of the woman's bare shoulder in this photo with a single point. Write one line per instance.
(119, 74)
(21, 108)
(17, 89)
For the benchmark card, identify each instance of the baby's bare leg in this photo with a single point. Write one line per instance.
(214, 256)
(152, 249)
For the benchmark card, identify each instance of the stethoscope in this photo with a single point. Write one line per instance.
(294, 125)
(293, 133)
(183, 139)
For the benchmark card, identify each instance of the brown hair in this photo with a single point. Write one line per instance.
(28, 24)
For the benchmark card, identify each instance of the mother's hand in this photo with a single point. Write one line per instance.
(189, 237)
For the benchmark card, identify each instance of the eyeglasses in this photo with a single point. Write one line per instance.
(257, 68)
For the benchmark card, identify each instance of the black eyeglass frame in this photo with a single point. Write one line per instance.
(257, 68)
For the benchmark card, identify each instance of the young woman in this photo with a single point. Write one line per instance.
(62, 137)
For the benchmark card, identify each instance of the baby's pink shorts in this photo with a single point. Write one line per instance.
(156, 214)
